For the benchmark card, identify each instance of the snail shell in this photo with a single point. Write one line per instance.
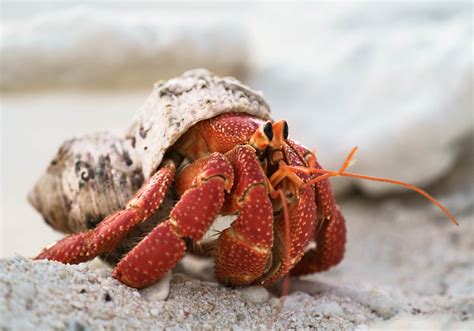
(90, 177)
(95, 175)
(176, 105)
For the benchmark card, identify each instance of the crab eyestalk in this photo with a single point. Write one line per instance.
(262, 137)
(280, 134)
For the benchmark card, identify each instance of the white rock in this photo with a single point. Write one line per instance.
(158, 291)
(395, 80)
(362, 327)
(136, 294)
(103, 272)
(254, 294)
(89, 47)
(98, 265)
(328, 309)
(436, 322)
(62, 274)
(384, 303)
(274, 301)
(77, 304)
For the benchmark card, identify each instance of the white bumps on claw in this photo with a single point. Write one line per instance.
(158, 291)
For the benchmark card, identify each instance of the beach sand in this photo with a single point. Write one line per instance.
(406, 267)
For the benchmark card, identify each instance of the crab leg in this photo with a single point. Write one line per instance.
(203, 183)
(302, 219)
(110, 232)
(243, 250)
(330, 234)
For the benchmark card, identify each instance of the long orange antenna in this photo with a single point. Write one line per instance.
(348, 160)
(341, 173)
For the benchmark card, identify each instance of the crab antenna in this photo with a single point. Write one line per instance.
(407, 185)
(328, 173)
(348, 160)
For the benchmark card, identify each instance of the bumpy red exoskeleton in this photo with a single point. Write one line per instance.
(238, 167)
(239, 164)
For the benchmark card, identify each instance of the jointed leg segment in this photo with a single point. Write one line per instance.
(244, 249)
(292, 237)
(191, 217)
(330, 230)
(110, 232)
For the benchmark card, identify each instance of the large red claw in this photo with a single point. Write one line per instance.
(198, 207)
(151, 259)
(243, 250)
(191, 217)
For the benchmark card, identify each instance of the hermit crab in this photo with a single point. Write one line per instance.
(200, 147)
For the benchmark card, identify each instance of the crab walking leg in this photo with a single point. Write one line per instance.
(110, 232)
(243, 249)
(330, 234)
(301, 225)
(205, 182)
(302, 219)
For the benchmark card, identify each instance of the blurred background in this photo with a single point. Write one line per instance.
(394, 78)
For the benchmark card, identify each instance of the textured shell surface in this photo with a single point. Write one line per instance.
(89, 178)
(177, 104)
(94, 175)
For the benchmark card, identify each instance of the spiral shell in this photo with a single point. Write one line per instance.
(90, 177)
(94, 175)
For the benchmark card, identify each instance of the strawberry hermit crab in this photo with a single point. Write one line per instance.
(200, 147)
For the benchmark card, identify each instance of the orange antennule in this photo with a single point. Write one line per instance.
(348, 160)
(328, 173)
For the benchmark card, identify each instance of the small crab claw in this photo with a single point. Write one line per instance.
(110, 232)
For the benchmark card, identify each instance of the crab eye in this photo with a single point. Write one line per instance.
(285, 131)
(267, 129)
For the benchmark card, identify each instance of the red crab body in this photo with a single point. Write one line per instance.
(238, 164)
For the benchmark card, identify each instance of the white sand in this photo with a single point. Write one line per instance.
(406, 267)
(50, 295)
